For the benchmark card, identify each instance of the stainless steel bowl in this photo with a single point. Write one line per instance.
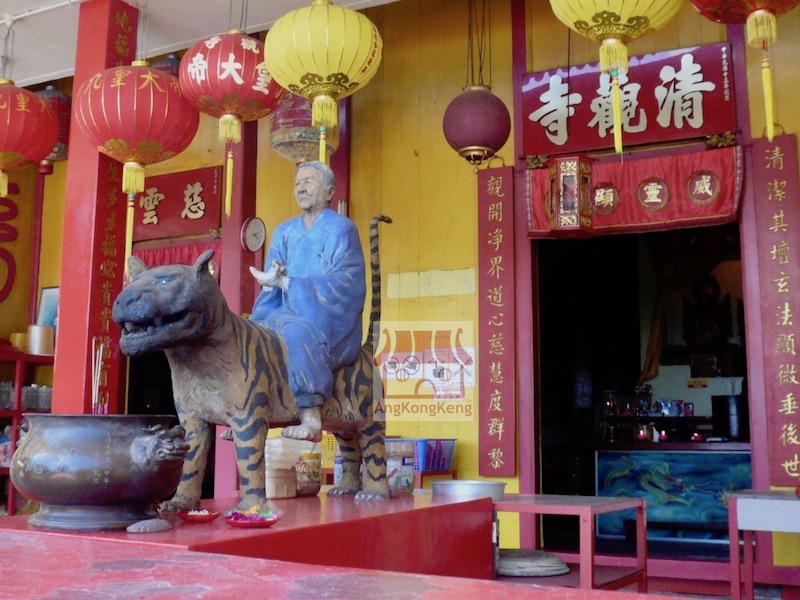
(467, 489)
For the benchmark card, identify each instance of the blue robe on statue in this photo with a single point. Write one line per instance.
(319, 314)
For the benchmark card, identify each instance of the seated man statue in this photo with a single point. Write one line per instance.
(313, 294)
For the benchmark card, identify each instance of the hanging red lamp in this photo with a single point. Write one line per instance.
(760, 18)
(135, 114)
(225, 76)
(476, 123)
(28, 130)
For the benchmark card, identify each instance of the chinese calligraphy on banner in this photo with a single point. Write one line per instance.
(672, 95)
(777, 218)
(176, 204)
(497, 409)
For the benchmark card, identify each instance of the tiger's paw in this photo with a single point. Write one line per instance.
(300, 432)
(371, 497)
(177, 504)
(342, 491)
(310, 427)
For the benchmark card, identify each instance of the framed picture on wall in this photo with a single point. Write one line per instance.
(48, 307)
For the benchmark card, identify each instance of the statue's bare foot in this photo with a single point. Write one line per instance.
(310, 427)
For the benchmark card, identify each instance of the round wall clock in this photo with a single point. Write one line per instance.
(254, 234)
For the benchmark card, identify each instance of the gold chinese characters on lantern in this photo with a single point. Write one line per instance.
(28, 130)
(135, 114)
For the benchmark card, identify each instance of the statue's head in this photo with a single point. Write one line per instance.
(314, 185)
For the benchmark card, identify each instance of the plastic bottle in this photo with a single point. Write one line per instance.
(337, 468)
(279, 469)
(400, 467)
(308, 474)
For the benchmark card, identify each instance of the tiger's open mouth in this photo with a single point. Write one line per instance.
(141, 336)
(151, 325)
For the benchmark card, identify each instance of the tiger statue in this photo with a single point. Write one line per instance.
(227, 370)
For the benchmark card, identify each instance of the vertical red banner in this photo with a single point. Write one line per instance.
(775, 176)
(497, 404)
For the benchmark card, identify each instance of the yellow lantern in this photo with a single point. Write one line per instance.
(614, 23)
(323, 52)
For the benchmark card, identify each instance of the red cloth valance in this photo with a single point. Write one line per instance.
(651, 194)
(185, 254)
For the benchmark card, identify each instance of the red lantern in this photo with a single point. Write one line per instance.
(61, 105)
(28, 130)
(761, 20)
(225, 76)
(136, 115)
(476, 123)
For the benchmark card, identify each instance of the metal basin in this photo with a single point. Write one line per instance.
(93, 472)
(467, 489)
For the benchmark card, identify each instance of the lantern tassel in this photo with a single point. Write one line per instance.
(132, 178)
(766, 82)
(3, 184)
(129, 228)
(324, 111)
(762, 28)
(323, 145)
(613, 55)
(228, 183)
(616, 105)
(230, 129)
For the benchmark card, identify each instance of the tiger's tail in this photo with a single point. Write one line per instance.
(375, 266)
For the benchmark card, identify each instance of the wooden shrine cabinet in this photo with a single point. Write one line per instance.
(20, 370)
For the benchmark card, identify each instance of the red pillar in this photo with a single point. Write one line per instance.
(94, 229)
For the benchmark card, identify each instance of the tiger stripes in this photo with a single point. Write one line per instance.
(226, 370)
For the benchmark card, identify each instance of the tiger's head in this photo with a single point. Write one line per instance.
(167, 306)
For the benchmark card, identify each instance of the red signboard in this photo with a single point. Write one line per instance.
(775, 179)
(178, 204)
(680, 94)
(651, 194)
(497, 412)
